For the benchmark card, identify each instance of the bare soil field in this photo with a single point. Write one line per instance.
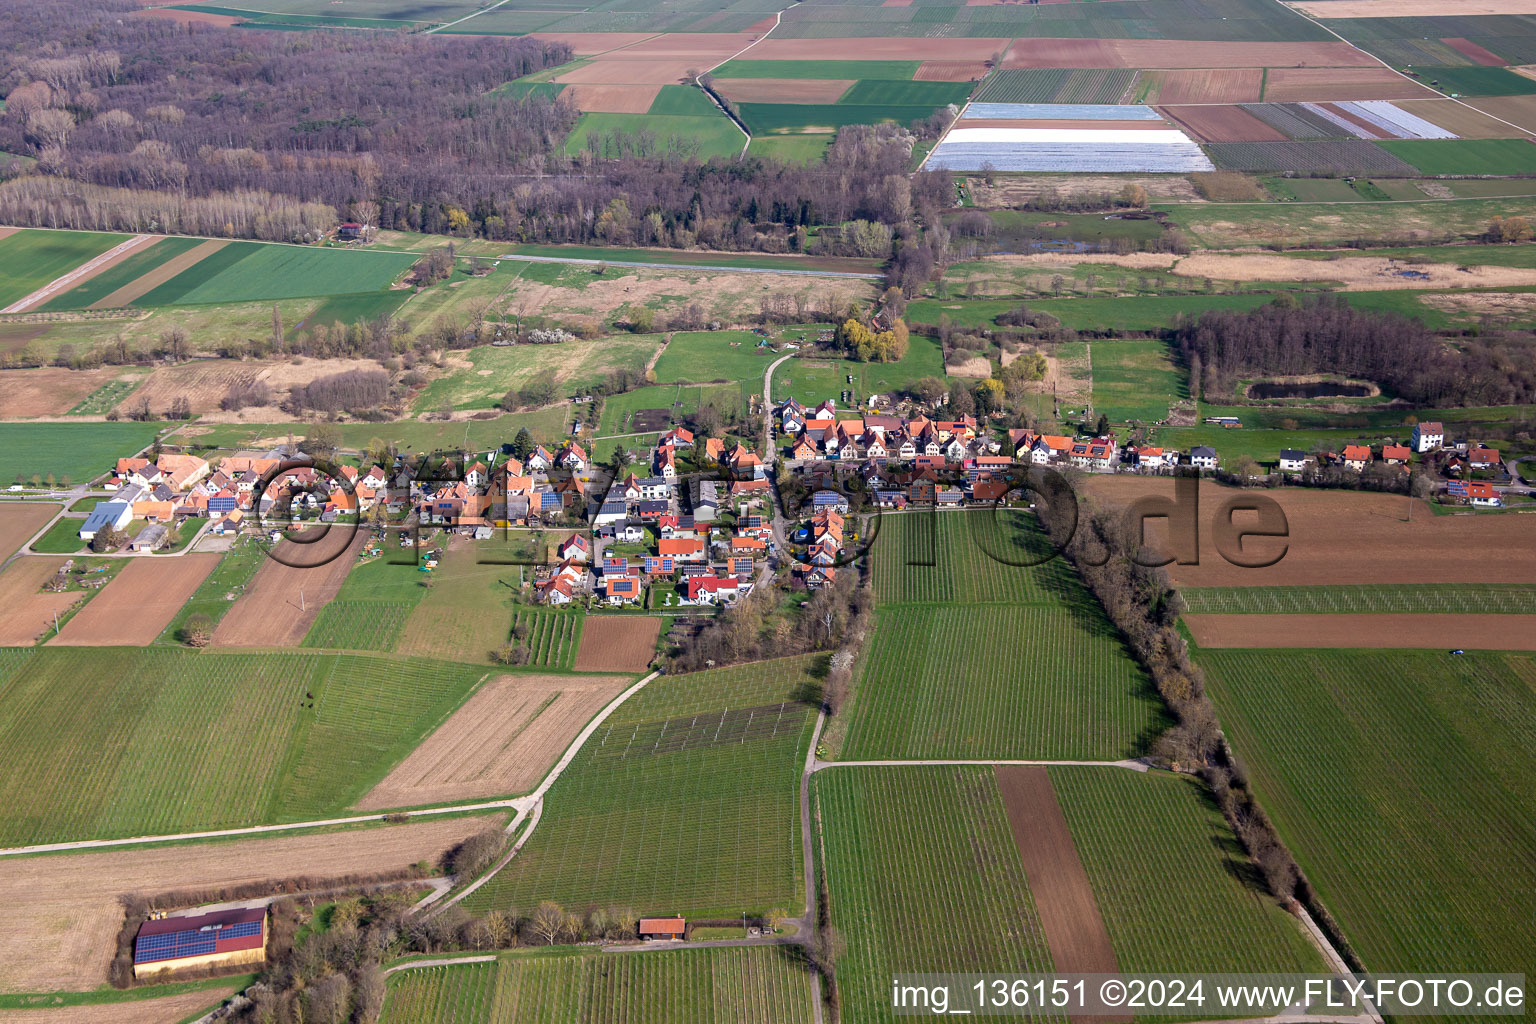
(614, 99)
(188, 17)
(63, 911)
(1465, 121)
(630, 72)
(880, 48)
(136, 1011)
(617, 643)
(1518, 110)
(1467, 48)
(587, 43)
(1412, 8)
(977, 366)
(1358, 273)
(48, 390)
(28, 612)
(704, 49)
(203, 383)
(7, 232)
(950, 71)
(128, 294)
(782, 90)
(1179, 53)
(283, 601)
(1345, 537)
(1221, 85)
(1417, 632)
(1222, 124)
(19, 520)
(1013, 190)
(1069, 913)
(133, 609)
(1309, 85)
(500, 742)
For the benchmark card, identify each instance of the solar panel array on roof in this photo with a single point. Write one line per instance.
(224, 504)
(196, 941)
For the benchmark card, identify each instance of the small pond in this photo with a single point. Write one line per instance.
(1309, 389)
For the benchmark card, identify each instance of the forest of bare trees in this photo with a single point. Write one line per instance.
(1326, 335)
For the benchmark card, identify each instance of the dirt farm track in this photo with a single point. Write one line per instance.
(1347, 537)
(282, 601)
(63, 911)
(133, 609)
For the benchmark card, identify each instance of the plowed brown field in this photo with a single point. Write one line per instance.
(950, 71)
(630, 72)
(782, 90)
(48, 390)
(62, 911)
(19, 520)
(1312, 85)
(1422, 632)
(283, 601)
(1222, 124)
(1465, 121)
(1519, 110)
(132, 1011)
(617, 643)
(1176, 53)
(1347, 537)
(704, 49)
(613, 99)
(187, 18)
(133, 609)
(29, 613)
(1069, 913)
(587, 43)
(203, 383)
(1467, 48)
(1222, 85)
(1413, 8)
(500, 742)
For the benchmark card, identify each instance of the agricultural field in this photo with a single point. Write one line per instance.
(501, 741)
(690, 986)
(133, 609)
(480, 377)
(261, 272)
(1475, 81)
(704, 356)
(69, 452)
(617, 643)
(221, 588)
(1134, 380)
(19, 521)
(1466, 156)
(412, 435)
(466, 614)
(697, 136)
(30, 610)
(970, 557)
(1374, 630)
(316, 731)
(1000, 681)
(1445, 598)
(794, 149)
(905, 844)
(651, 410)
(31, 258)
(1175, 888)
(685, 800)
(1347, 750)
(285, 597)
(94, 290)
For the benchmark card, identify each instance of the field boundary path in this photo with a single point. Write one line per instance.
(1128, 763)
(446, 961)
(85, 269)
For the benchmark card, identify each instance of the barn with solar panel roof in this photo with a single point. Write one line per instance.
(220, 939)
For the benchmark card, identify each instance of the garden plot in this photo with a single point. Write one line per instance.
(1068, 149)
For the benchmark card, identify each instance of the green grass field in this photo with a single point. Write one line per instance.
(1403, 783)
(687, 986)
(1134, 380)
(1321, 225)
(1424, 598)
(109, 742)
(258, 271)
(138, 263)
(371, 609)
(676, 805)
(1466, 156)
(680, 399)
(547, 425)
(905, 846)
(793, 149)
(1475, 81)
(574, 367)
(975, 657)
(467, 613)
(79, 451)
(810, 379)
(62, 538)
(794, 118)
(700, 136)
(32, 257)
(703, 356)
(1173, 885)
(683, 101)
(892, 70)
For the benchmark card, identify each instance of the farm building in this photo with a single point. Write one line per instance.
(114, 514)
(219, 939)
(662, 928)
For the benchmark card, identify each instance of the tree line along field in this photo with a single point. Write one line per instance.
(111, 742)
(918, 843)
(690, 986)
(32, 257)
(1445, 598)
(685, 801)
(1351, 753)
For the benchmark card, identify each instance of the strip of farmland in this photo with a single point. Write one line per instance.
(1391, 631)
